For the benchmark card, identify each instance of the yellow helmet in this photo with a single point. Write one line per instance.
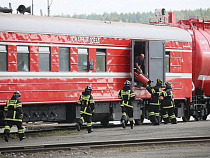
(159, 81)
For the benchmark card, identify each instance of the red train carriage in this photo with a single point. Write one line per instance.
(51, 60)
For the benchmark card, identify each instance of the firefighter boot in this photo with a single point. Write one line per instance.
(173, 121)
(131, 124)
(153, 119)
(166, 120)
(90, 129)
(6, 137)
(123, 123)
(157, 120)
(22, 136)
(78, 126)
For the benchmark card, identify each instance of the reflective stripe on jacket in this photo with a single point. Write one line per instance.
(13, 110)
(155, 92)
(168, 101)
(87, 104)
(127, 97)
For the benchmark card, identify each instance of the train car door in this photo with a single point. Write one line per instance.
(139, 47)
(156, 64)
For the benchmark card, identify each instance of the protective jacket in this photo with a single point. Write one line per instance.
(168, 101)
(87, 104)
(13, 110)
(127, 95)
(155, 92)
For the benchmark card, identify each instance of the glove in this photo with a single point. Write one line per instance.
(149, 82)
(21, 116)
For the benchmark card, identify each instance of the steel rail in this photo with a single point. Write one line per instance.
(105, 144)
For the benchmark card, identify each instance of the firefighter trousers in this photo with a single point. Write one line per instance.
(154, 114)
(168, 115)
(127, 111)
(86, 118)
(8, 126)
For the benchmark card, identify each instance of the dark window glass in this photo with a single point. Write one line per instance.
(23, 58)
(167, 61)
(64, 59)
(3, 58)
(44, 59)
(83, 60)
(101, 60)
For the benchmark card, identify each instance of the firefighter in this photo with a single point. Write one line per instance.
(168, 105)
(139, 63)
(127, 95)
(154, 105)
(14, 116)
(87, 109)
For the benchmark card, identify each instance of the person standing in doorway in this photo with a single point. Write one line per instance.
(139, 62)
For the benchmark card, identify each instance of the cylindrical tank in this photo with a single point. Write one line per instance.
(141, 78)
(201, 60)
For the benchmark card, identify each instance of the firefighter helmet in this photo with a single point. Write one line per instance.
(168, 85)
(127, 83)
(159, 82)
(88, 89)
(17, 94)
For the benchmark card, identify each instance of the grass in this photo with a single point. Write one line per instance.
(43, 134)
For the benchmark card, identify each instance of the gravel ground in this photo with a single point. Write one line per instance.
(173, 151)
(147, 131)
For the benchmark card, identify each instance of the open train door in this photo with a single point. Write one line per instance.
(156, 62)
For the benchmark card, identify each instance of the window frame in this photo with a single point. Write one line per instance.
(69, 61)
(101, 53)
(167, 54)
(4, 51)
(83, 53)
(23, 49)
(47, 50)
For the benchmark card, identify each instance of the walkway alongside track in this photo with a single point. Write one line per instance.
(105, 144)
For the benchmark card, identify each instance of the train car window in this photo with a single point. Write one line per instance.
(3, 58)
(82, 60)
(64, 59)
(100, 60)
(23, 58)
(44, 59)
(167, 61)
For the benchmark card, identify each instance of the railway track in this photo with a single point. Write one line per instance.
(104, 144)
(35, 129)
(44, 128)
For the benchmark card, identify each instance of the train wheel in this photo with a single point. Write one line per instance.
(204, 117)
(138, 122)
(186, 116)
(196, 117)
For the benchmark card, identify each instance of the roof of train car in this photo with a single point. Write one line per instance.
(92, 28)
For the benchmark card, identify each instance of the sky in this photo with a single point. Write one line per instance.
(65, 7)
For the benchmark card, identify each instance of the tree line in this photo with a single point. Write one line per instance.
(140, 17)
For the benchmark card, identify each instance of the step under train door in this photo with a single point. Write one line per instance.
(156, 61)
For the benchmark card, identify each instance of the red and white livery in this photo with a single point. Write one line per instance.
(51, 60)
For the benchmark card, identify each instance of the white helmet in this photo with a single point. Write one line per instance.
(127, 83)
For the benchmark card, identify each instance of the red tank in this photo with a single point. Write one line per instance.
(141, 78)
(200, 32)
